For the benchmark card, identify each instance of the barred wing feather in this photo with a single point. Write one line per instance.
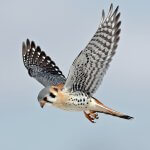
(88, 69)
(40, 66)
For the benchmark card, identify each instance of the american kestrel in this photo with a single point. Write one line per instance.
(75, 93)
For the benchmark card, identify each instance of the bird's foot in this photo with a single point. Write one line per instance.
(91, 115)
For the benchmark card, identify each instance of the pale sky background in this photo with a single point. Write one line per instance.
(63, 28)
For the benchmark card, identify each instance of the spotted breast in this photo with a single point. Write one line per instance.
(78, 101)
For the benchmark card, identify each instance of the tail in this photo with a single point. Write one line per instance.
(101, 108)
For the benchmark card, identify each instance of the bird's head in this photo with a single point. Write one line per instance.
(48, 95)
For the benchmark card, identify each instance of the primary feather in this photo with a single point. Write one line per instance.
(40, 66)
(88, 69)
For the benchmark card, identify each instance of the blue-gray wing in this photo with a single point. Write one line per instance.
(88, 69)
(40, 66)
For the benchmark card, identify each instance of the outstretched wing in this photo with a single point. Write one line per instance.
(88, 69)
(40, 66)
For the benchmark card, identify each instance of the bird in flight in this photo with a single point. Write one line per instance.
(75, 93)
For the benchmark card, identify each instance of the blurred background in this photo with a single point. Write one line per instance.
(63, 28)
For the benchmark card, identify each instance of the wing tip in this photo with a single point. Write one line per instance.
(103, 14)
(111, 7)
(111, 13)
(33, 45)
(25, 46)
(116, 11)
(28, 43)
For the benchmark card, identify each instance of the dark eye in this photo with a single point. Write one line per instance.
(52, 95)
(45, 99)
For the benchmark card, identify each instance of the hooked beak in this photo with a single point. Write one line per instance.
(42, 103)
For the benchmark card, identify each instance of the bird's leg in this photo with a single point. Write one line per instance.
(91, 115)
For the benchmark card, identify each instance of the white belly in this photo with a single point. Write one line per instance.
(76, 101)
(75, 104)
